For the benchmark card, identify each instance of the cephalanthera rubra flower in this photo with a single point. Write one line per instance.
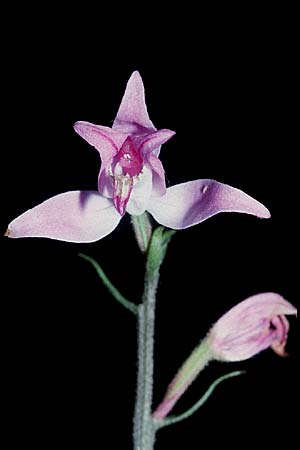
(251, 326)
(248, 328)
(131, 179)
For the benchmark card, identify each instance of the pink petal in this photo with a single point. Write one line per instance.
(153, 141)
(281, 325)
(76, 216)
(141, 193)
(105, 181)
(104, 139)
(132, 116)
(190, 203)
(108, 142)
(158, 176)
(252, 326)
(267, 304)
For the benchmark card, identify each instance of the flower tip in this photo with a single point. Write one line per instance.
(172, 133)
(265, 214)
(262, 212)
(7, 233)
(135, 74)
(76, 126)
(280, 350)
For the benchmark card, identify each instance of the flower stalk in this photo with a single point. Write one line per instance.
(175, 419)
(142, 230)
(144, 427)
(188, 372)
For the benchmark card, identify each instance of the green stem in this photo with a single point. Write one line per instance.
(174, 419)
(144, 428)
(144, 431)
(142, 230)
(108, 284)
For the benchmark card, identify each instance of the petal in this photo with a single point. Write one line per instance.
(251, 326)
(76, 216)
(158, 176)
(281, 325)
(240, 351)
(105, 181)
(153, 141)
(254, 308)
(190, 203)
(141, 193)
(132, 116)
(104, 139)
(122, 191)
(107, 142)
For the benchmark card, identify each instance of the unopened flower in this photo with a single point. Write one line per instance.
(251, 326)
(131, 179)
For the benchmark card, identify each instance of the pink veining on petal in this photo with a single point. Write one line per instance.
(281, 326)
(251, 326)
(153, 141)
(108, 143)
(104, 139)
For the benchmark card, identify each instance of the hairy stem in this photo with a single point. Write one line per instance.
(142, 230)
(144, 429)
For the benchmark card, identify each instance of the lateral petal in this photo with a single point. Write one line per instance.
(190, 203)
(104, 139)
(75, 216)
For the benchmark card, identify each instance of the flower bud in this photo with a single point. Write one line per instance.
(251, 326)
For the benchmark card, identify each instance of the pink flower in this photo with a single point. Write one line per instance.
(131, 179)
(251, 326)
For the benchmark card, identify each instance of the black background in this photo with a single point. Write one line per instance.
(225, 82)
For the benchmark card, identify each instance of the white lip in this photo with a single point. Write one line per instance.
(141, 192)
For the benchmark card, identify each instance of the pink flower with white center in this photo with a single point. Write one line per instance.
(131, 179)
(251, 326)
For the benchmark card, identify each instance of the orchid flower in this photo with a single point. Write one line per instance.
(246, 329)
(251, 326)
(131, 179)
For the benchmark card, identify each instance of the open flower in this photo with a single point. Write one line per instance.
(131, 179)
(251, 326)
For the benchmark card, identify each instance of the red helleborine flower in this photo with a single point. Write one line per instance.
(251, 326)
(131, 179)
(248, 328)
